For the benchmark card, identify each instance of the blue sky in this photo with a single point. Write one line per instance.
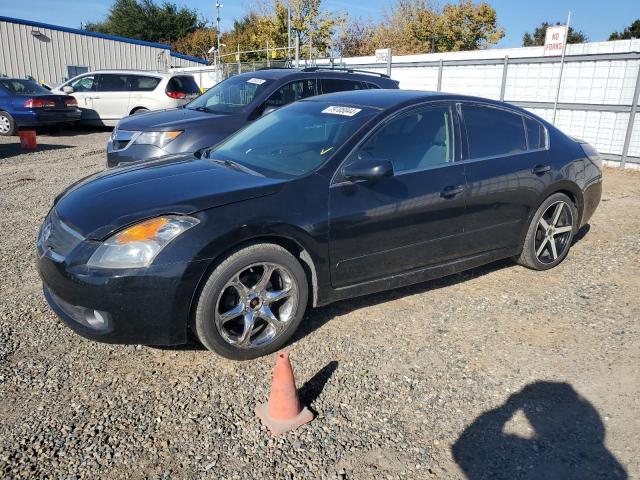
(595, 18)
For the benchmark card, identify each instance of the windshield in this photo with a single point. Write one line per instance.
(23, 87)
(293, 140)
(231, 95)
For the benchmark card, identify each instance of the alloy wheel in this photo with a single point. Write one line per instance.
(256, 305)
(553, 233)
(5, 124)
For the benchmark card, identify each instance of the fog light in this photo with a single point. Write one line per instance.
(96, 319)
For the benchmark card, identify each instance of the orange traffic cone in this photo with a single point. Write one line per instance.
(283, 412)
(28, 139)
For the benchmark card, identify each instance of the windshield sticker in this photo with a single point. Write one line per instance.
(257, 81)
(345, 111)
(325, 150)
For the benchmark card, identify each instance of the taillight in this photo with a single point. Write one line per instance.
(39, 103)
(176, 95)
(70, 102)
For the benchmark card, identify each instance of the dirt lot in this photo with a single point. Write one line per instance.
(498, 373)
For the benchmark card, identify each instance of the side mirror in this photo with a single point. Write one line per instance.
(67, 89)
(368, 169)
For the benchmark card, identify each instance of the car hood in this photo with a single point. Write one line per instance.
(172, 119)
(100, 204)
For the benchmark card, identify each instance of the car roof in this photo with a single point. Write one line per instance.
(278, 73)
(139, 72)
(388, 98)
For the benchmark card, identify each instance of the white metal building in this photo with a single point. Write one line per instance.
(51, 53)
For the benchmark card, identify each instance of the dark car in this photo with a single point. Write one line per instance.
(25, 103)
(325, 199)
(226, 108)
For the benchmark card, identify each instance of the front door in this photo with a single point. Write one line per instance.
(411, 220)
(111, 100)
(83, 91)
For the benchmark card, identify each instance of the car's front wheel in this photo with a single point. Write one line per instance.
(550, 233)
(252, 302)
(7, 124)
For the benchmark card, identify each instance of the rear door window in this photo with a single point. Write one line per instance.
(493, 132)
(185, 84)
(113, 82)
(331, 85)
(143, 84)
(292, 92)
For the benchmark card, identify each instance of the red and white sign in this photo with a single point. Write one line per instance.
(554, 40)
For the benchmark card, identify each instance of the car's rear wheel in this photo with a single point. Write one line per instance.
(139, 111)
(7, 124)
(252, 302)
(550, 233)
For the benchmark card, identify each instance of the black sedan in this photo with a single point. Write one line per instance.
(325, 199)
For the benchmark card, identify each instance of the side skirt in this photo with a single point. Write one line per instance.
(416, 276)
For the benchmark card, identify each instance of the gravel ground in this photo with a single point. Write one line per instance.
(500, 372)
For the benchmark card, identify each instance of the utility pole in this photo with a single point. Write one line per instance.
(289, 29)
(218, 7)
(564, 51)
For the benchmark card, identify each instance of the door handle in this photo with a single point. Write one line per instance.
(540, 169)
(451, 191)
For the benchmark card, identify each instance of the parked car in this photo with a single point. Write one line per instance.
(24, 103)
(227, 107)
(105, 96)
(325, 199)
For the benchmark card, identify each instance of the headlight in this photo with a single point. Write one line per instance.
(137, 246)
(159, 139)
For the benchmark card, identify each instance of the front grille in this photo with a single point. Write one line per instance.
(57, 239)
(120, 139)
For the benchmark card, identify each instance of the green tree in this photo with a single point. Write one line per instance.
(467, 26)
(356, 38)
(632, 31)
(149, 21)
(536, 38)
(313, 26)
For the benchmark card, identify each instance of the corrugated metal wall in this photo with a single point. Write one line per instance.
(46, 57)
(595, 99)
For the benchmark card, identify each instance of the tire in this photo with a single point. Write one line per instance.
(140, 110)
(237, 294)
(7, 125)
(548, 238)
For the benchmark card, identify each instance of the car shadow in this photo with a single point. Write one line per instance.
(14, 149)
(559, 435)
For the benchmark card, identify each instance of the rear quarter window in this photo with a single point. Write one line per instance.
(536, 134)
(185, 84)
(144, 84)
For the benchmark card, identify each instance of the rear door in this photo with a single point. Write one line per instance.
(411, 220)
(506, 171)
(111, 99)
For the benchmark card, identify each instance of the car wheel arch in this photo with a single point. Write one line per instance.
(139, 107)
(292, 246)
(570, 189)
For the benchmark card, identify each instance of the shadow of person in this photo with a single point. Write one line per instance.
(566, 440)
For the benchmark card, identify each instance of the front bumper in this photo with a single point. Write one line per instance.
(132, 153)
(148, 306)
